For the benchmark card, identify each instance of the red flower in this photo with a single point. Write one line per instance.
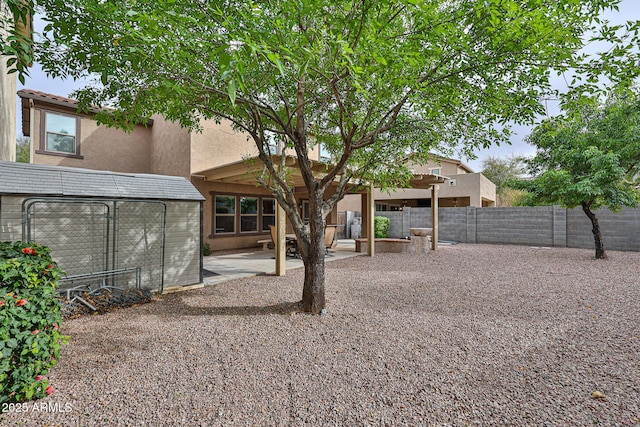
(28, 251)
(34, 332)
(1, 303)
(48, 390)
(50, 266)
(55, 326)
(39, 377)
(21, 302)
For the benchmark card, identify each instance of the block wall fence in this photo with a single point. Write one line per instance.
(534, 226)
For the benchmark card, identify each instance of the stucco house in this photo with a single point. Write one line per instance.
(237, 212)
(464, 187)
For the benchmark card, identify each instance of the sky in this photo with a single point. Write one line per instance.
(629, 11)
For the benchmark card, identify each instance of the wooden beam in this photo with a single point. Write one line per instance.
(434, 217)
(281, 224)
(371, 234)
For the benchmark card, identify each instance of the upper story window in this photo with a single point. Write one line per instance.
(60, 134)
(435, 171)
(325, 155)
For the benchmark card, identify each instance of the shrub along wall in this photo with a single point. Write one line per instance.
(535, 226)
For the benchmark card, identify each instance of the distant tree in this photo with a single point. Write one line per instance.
(22, 150)
(501, 171)
(588, 157)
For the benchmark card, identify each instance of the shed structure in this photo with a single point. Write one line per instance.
(97, 221)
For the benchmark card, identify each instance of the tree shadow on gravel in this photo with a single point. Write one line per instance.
(177, 308)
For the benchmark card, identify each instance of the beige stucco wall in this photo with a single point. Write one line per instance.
(239, 240)
(101, 148)
(471, 189)
(170, 148)
(447, 167)
(227, 242)
(487, 192)
(217, 145)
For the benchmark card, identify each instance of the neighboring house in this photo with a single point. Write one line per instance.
(464, 187)
(237, 212)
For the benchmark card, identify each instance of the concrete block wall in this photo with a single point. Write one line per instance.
(620, 230)
(535, 226)
(529, 226)
(452, 224)
(396, 226)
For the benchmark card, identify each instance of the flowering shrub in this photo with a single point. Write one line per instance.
(29, 320)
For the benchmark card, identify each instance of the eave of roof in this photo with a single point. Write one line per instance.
(45, 180)
(58, 101)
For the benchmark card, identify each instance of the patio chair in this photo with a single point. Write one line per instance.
(291, 244)
(329, 237)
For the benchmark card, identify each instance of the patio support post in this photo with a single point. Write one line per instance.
(434, 217)
(281, 224)
(371, 234)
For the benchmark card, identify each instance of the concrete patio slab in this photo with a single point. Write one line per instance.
(234, 266)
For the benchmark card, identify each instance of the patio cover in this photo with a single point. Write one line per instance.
(418, 181)
(246, 171)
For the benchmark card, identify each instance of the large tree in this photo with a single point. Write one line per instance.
(15, 35)
(372, 80)
(588, 157)
(501, 171)
(22, 150)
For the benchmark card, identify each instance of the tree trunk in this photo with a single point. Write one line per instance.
(312, 253)
(597, 236)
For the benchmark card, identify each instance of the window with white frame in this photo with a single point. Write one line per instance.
(325, 155)
(60, 133)
(435, 171)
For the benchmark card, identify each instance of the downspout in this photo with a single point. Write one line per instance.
(32, 117)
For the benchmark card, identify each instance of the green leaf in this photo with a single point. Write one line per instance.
(231, 91)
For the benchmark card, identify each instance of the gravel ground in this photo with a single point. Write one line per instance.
(468, 335)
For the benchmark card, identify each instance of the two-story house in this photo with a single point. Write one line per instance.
(464, 187)
(237, 212)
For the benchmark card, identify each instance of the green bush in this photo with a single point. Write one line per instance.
(206, 249)
(381, 226)
(29, 320)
